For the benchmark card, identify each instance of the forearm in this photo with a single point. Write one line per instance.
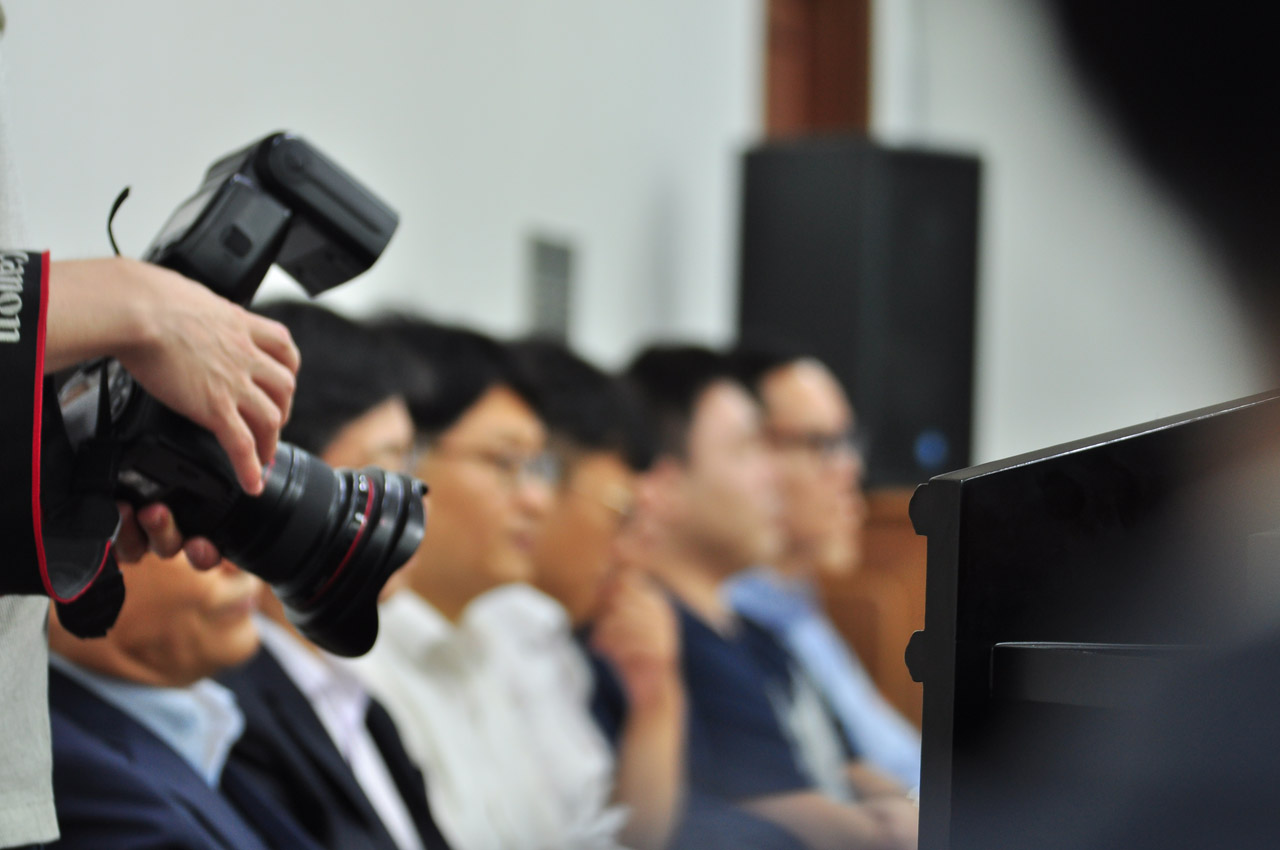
(824, 824)
(96, 308)
(868, 782)
(650, 777)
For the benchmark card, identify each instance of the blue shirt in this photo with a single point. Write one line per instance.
(791, 611)
(200, 723)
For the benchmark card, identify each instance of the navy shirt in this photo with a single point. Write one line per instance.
(735, 746)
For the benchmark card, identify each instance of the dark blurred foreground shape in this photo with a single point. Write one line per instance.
(1071, 594)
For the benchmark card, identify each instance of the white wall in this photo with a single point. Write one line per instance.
(615, 125)
(1098, 308)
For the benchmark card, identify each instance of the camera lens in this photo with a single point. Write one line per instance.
(326, 540)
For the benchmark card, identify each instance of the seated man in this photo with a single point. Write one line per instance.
(586, 559)
(600, 446)
(507, 767)
(325, 751)
(759, 736)
(809, 424)
(141, 734)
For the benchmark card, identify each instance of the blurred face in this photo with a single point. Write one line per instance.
(809, 424)
(726, 509)
(178, 625)
(382, 436)
(489, 494)
(575, 547)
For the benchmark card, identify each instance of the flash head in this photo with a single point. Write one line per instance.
(279, 200)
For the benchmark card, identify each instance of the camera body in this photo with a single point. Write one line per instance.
(326, 540)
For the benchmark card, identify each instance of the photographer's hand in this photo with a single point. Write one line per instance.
(153, 528)
(210, 360)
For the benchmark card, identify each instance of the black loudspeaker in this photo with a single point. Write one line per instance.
(866, 256)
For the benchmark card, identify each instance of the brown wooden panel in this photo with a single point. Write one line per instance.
(789, 67)
(818, 66)
(841, 65)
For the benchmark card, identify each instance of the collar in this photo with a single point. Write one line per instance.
(517, 607)
(767, 596)
(319, 676)
(414, 625)
(420, 630)
(200, 723)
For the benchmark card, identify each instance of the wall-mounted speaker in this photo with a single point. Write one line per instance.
(866, 256)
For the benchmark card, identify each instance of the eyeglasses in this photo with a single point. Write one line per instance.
(823, 446)
(515, 468)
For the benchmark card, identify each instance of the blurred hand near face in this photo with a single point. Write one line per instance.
(636, 631)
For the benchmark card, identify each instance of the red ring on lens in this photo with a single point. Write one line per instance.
(351, 550)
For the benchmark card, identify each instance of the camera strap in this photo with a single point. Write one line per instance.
(60, 526)
(24, 280)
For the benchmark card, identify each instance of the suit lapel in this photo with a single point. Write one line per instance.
(163, 768)
(274, 707)
(407, 776)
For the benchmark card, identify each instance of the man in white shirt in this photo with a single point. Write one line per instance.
(465, 650)
(582, 560)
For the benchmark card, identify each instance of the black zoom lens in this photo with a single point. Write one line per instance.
(326, 540)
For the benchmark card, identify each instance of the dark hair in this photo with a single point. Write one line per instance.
(1194, 92)
(669, 381)
(346, 372)
(446, 369)
(592, 410)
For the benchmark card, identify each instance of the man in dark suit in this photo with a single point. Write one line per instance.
(141, 734)
(314, 739)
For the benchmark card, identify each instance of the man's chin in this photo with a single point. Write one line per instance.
(838, 559)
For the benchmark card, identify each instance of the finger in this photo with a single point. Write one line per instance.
(273, 338)
(162, 532)
(131, 543)
(278, 383)
(264, 420)
(202, 554)
(237, 440)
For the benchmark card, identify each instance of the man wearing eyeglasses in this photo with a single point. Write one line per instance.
(810, 426)
(463, 647)
(582, 559)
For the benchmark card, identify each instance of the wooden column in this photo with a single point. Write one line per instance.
(818, 69)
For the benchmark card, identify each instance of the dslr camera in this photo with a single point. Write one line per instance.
(325, 539)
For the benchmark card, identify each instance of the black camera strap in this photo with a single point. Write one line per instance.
(24, 278)
(57, 514)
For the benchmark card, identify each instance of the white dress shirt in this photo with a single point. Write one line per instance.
(495, 710)
(342, 703)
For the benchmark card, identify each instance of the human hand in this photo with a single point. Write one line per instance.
(210, 360)
(636, 630)
(898, 818)
(153, 529)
